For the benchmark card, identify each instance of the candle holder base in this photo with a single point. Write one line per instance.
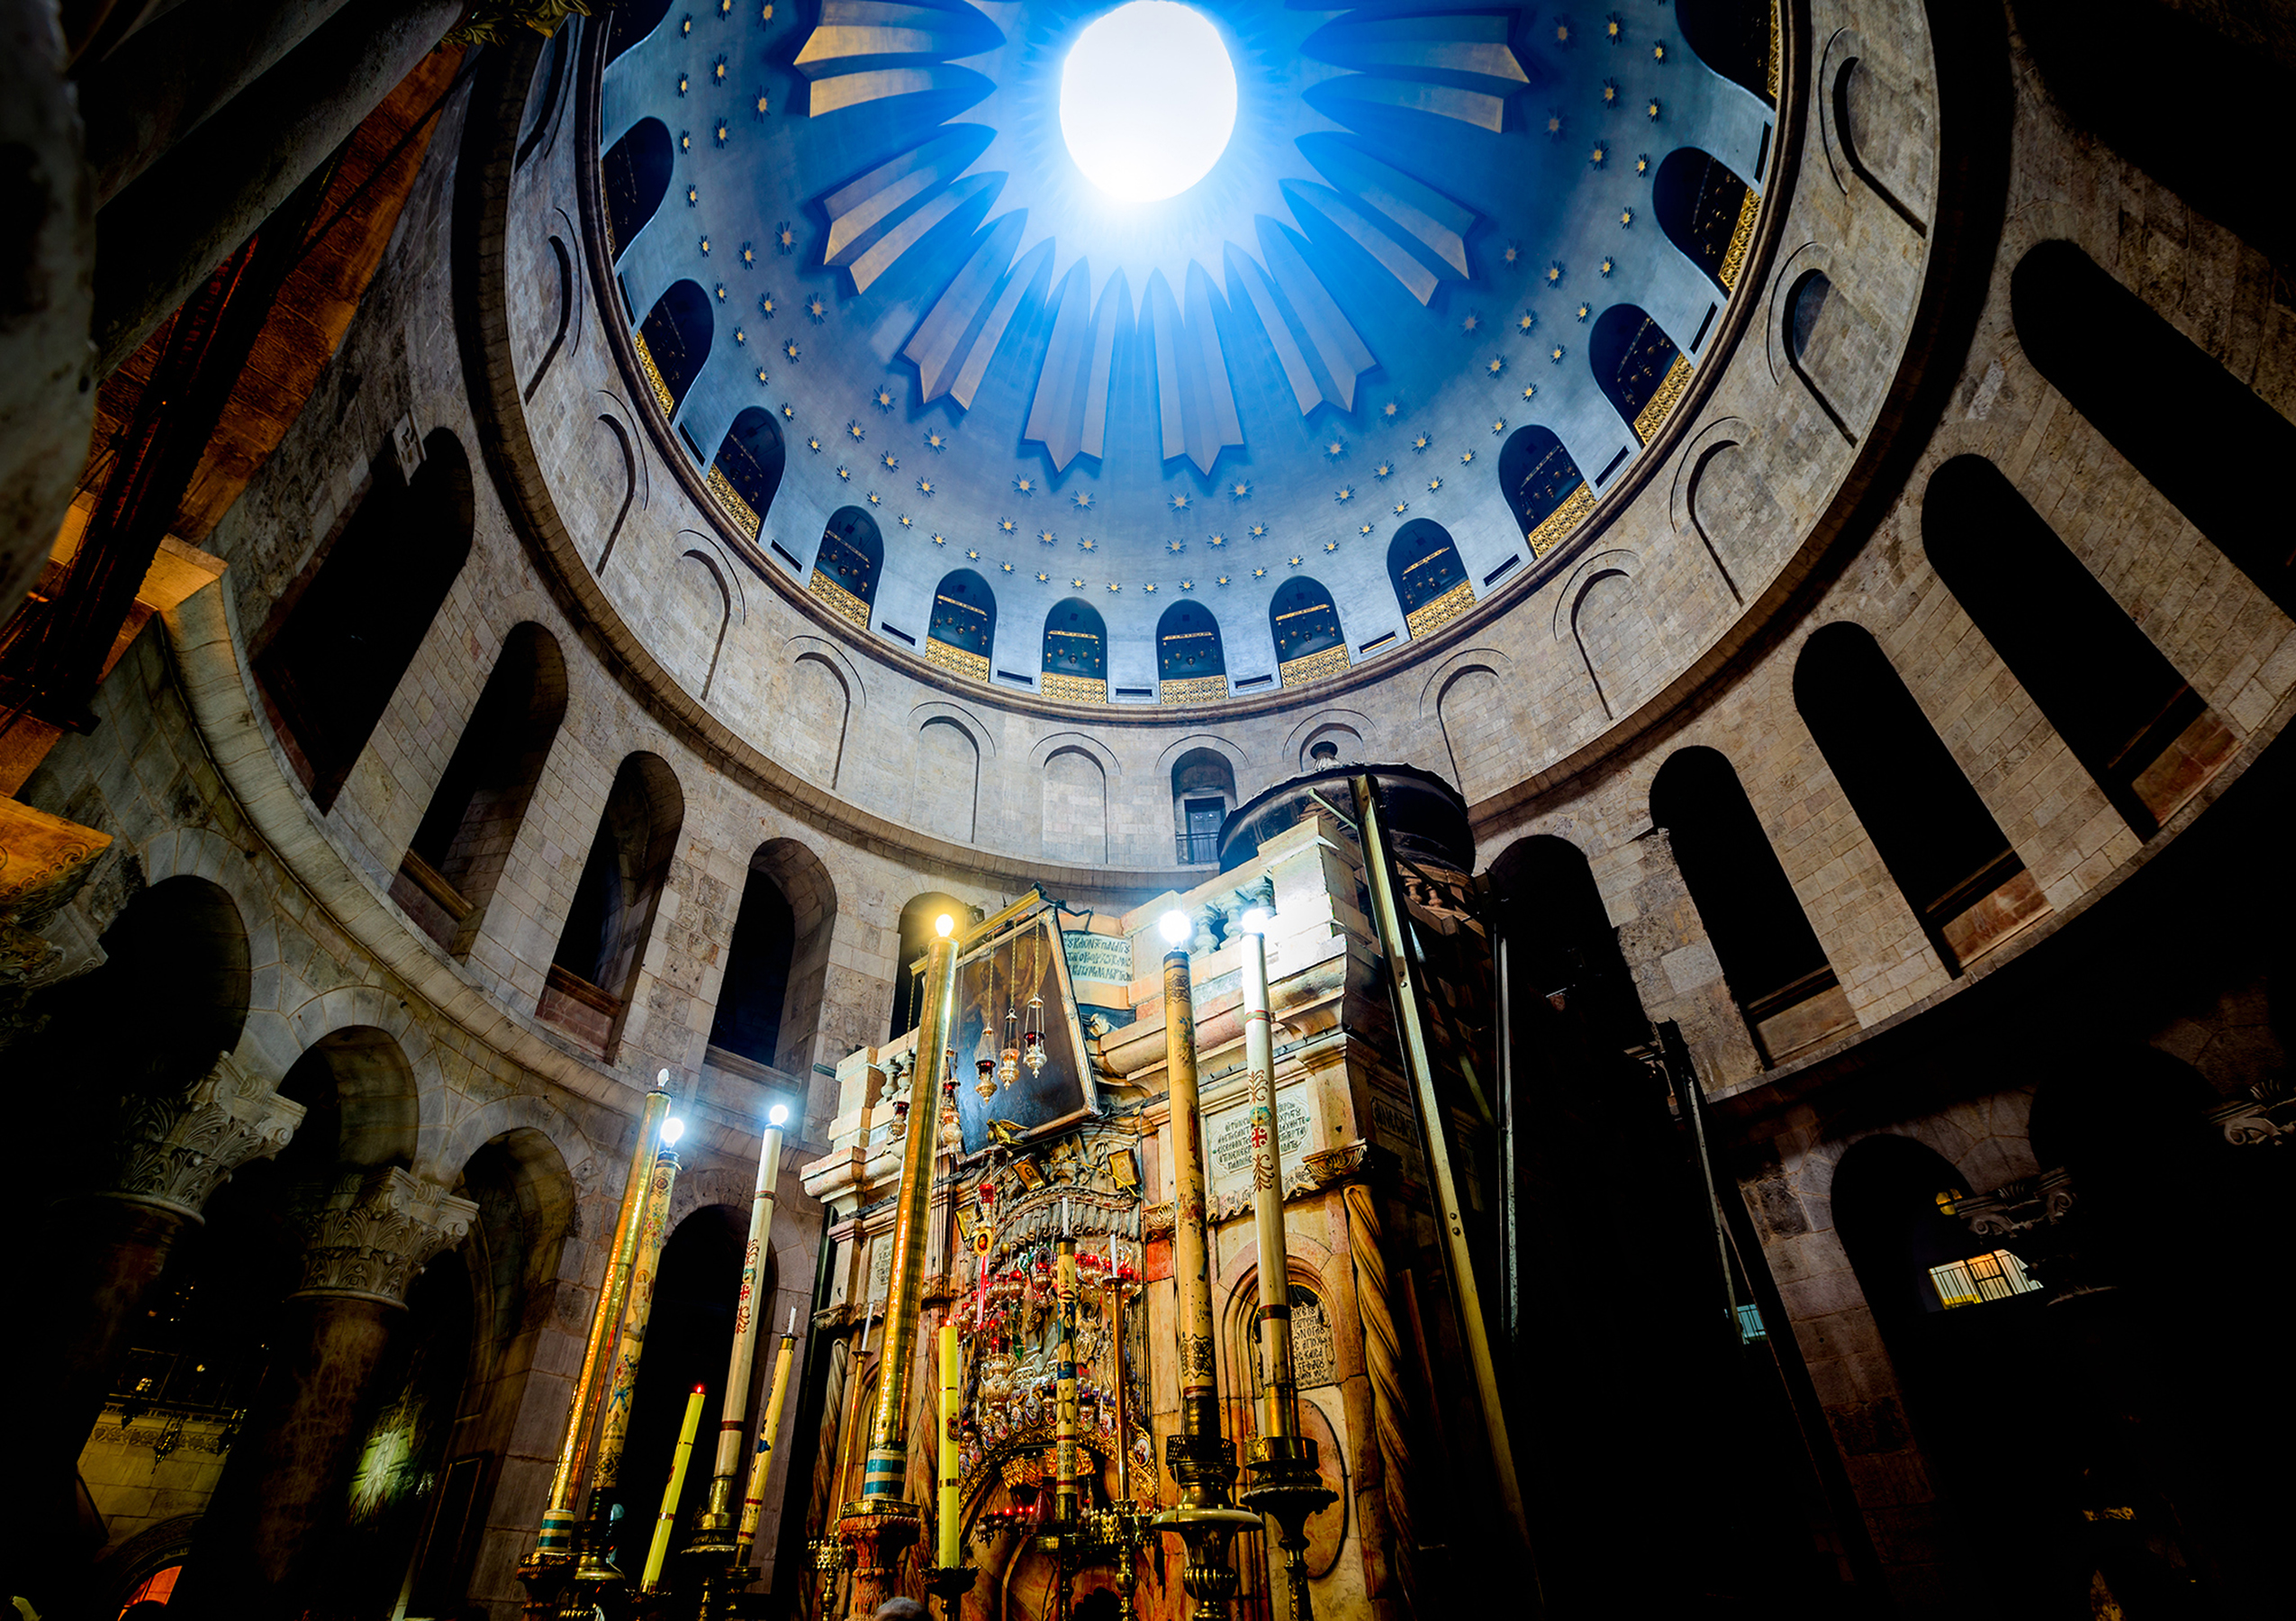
(950, 1584)
(1287, 1487)
(876, 1532)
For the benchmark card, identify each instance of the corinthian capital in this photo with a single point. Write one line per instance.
(368, 1235)
(174, 1152)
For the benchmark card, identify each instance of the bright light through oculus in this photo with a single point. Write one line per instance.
(1148, 100)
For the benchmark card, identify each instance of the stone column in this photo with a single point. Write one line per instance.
(159, 1162)
(160, 236)
(261, 1546)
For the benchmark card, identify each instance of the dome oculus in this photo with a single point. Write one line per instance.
(1148, 100)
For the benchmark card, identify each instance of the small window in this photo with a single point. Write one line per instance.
(1749, 1324)
(1981, 1278)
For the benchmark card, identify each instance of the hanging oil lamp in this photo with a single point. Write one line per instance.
(1033, 1037)
(1008, 1060)
(986, 1087)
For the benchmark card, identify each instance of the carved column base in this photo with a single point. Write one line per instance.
(877, 1531)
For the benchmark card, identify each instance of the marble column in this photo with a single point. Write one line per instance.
(159, 1161)
(260, 1548)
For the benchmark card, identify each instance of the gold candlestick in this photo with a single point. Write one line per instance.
(1202, 1461)
(554, 1546)
(1065, 1418)
(1285, 1484)
(883, 1523)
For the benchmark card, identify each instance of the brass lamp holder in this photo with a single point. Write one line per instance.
(1287, 1487)
(950, 1584)
(1204, 1466)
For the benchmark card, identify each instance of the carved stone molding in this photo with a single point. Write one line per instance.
(369, 1234)
(2266, 1116)
(1156, 1220)
(174, 1152)
(44, 862)
(2018, 1206)
(1331, 1166)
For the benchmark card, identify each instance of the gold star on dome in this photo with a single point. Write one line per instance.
(1175, 547)
(693, 196)
(1496, 364)
(875, 499)
(1659, 51)
(1007, 526)
(1610, 93)
(1335, 447)
(1295, 559)
(1530, 390)
(748, 256)
(1188, 584)
(788, 410)
(1076, 584)
(1614, 27)
(722, 133)
(1594, 159)
(718, 70)
(763, 106)
(1149, 588)
(1180, 502)
(1525, 322)
(971, 554)
(1562, 33)
(1554, 273)
(1024, 485)
(844, 472)
(1046, 538)
(766, 307)
(1006, 566)
(1088, 546)
(1401, 507)
(721, 291)
(940, 539)
(1626, 216)
(1554, 124)
(936, 440)
(1653, 110)
(1221, 581)
(1383, 470)
(1498, 426)
(892, 463)
(740, 336)
(1555, 354)
(761, 374)
(705, 254)
(924, 486)
(1114, 587)
(1642, 164)
(1239, 489)
(1043, 578)
(1471, 322)
(1433, 484)
(1259, 531)
(784, 236)
(1466, 458)
(857, 430)
(1511, 253)
(1259, 573)
(1607, 266)
(1389, 409)
(1346, 494)
(817, 307)
(1218, 541)
(1083, 499)
(814, 445)
(908, 522)
(685, 84)
(790, 349)
(1422, 442)
(884, 398)
(1584, 310)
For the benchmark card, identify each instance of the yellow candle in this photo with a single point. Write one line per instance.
(753, 1502)
(662, 1521)
(951, 1545)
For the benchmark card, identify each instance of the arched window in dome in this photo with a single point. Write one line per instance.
(963, 627)
(1190, 668)
(1707, 212)
(747, 469)
(1638, 368)
(351, 630)
(1770, 956)
(630, 22)
(2219, 454)
(846, 565)
(601, 947)
(1309, 643)
(459, 850)
(635, 175)
(1548, 494)
(674, 343)
(1076, 653)
(1430, 581)
(1738, 38)
(1942, 845)
(2123, 710)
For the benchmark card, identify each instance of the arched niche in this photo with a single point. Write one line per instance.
(2128, 715)
(673, 343)
(1191, 666)
(635, 175)
(1942, 845)
(962, 634)
(1707, 212)
(1738, 38)
(2218, 453)
(1430, 582)
(847, 563)
(1638, 366)
(1203, 793)
(769, 1002)
(601, 945)
(746, 471)
(1778, 971)
(1548, 494)
(449, 873)
(1310, 644)
(349, 630)
(1076, 653)
(914, 932)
